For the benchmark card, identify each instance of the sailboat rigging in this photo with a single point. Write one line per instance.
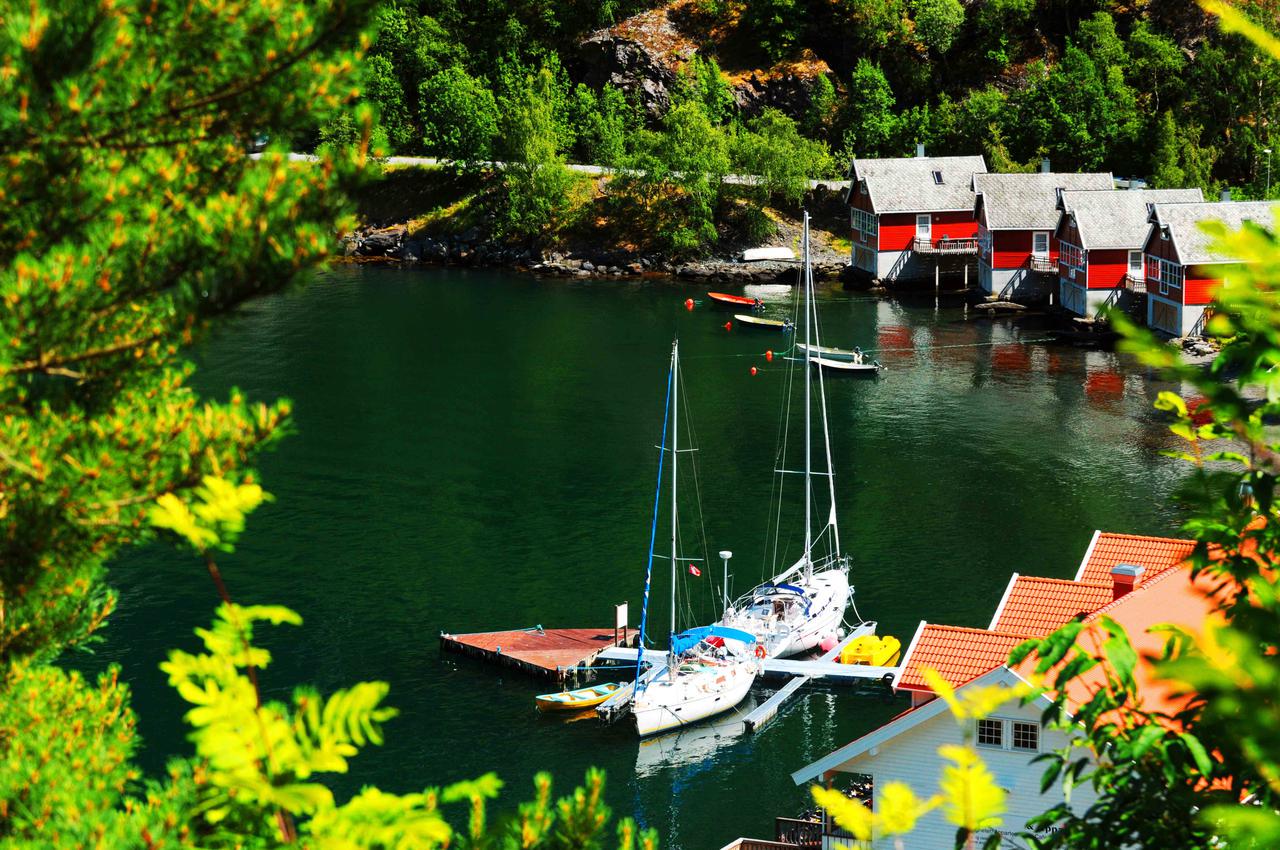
(709, 669)
(803, 605)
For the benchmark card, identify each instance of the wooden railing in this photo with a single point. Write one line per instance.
(798, 833)
(945, 245)
(1135, 284)
(1043, 264)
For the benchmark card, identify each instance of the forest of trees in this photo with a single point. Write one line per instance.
(1148, 89)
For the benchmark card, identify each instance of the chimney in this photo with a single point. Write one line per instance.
(1044, 165)
(1225, 197)
(1124, 578)
(920, 149)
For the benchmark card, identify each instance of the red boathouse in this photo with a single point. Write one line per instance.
(908, 213)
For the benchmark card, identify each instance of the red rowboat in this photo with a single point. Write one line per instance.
(733, 300)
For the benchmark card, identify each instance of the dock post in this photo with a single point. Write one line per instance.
(937, 277)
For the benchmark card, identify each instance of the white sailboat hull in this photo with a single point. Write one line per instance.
(793, 633)
(670, 703)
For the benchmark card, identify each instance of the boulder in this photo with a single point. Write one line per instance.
(790, 94)
(632, 67)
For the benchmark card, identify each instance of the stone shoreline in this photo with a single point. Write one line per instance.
(469, 249)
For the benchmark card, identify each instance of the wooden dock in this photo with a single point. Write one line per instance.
(767, 710)
(550, 653)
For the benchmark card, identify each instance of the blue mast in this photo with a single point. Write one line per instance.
(653, 529)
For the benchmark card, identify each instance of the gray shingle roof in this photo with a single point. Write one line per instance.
(1029, 201)
(1119, 219)
(1192, 243)
(906, 184)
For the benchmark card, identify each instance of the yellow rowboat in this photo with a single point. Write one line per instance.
(574, 700)
(873, 651)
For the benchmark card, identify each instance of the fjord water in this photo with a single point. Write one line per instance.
(475, 450)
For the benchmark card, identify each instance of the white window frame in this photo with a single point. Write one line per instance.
(925, 232)
(1007, 725)
(1164, 275)
(1013, 736)
(1036, 234)
(864, 222)
(984, 240)
(977, 732)
(1136, 272)
(1071, 256)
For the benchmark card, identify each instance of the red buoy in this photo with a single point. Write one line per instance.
(754, 370)
(728, 325)
(768, 356)
(688, 303)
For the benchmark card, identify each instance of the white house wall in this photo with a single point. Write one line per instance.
(911, 757)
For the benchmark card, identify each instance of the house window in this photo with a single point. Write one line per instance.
(864, 222)
(1021, 735)
(924, 227)
(1135, 265)
(937, 178)
(991, 733)
(1164, 274)
(1026, 736)
(984, 241)
(1040, 243)
(1071, 255)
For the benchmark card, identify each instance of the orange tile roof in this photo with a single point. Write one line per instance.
(1155, 554)
(1037, 606)
(958, 654)
(1172, 597)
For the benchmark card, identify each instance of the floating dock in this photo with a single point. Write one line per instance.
(768, 709)
(550, 653)
(797, 671)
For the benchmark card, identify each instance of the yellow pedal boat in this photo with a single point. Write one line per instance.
(873, 651)
(574, 700)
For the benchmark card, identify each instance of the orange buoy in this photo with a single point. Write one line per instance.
(754, 370)
(768, 356)
(728, 325)
(688, 303)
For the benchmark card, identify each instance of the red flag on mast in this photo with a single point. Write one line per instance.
(694, 571)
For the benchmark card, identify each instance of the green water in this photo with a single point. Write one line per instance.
(475, 451)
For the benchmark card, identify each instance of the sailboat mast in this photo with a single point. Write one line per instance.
(808, 409)
(675, 454)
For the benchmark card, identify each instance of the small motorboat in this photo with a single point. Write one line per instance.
(873, 651)
(728, 300)
(827, 353)
(857, 368)
(762, 324)
(574, 700)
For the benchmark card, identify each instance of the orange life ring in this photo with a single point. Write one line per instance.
(761, 652)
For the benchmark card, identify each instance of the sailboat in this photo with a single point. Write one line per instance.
(707, 670)
(803, 605)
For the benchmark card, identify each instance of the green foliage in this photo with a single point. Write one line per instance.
(382, 86)
(1075, 112)
(937, 22)
(66, 778)
(773, 149)
(821, 112)
(702, 81)
(870, 122)
(602, 123)
(535, 181)
(775, 26)
(459, 116)
(672, 184)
